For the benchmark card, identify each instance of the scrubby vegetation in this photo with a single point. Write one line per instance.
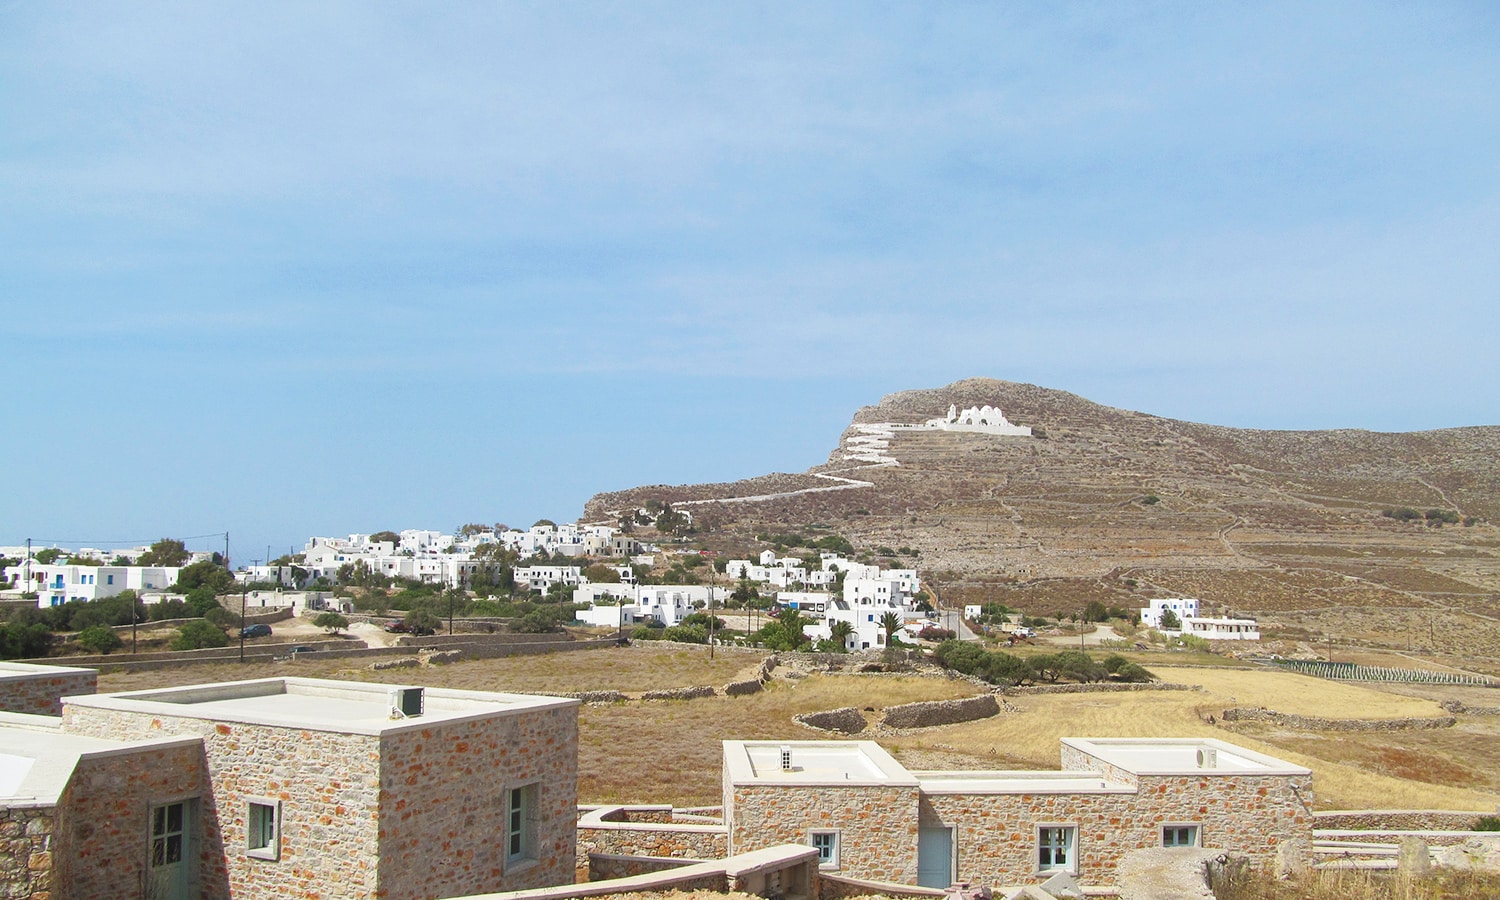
(1001, 668)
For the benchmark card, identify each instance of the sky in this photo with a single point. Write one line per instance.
(285, 269)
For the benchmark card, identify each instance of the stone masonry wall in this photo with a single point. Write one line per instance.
(103, 832)
(328, 784)
(701, 842)
(1075, 760)
(39, 694)
(608, 866)
(443, 814)
(877, 825)
(26, 852)
(996, 833)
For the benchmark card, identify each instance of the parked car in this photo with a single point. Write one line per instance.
(250, 631)
(302, 648)
(397, 627)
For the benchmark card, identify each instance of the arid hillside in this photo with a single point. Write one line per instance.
(1101, 503)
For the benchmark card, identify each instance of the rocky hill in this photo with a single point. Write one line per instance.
(1115, 505)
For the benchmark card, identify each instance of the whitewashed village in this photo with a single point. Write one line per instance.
(282, 784)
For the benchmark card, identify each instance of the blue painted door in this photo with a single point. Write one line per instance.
(935, 857)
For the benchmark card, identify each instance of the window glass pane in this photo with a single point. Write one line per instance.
(174, 848)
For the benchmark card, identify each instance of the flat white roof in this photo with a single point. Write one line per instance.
(1179, 756)
(37, 759)
(316, 704)
(1019, 782)
(19, 670)
(817, 763)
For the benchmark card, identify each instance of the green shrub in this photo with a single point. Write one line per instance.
(198, 634)
(686, 634)
(331, 621)
(100, 639)
(1487, 823)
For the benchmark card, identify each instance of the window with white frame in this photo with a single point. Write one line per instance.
(263, 828)
(520, 823)
(1055, 846)
(827, 845)
(1179, 836)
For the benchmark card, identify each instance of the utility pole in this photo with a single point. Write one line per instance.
(711, 620)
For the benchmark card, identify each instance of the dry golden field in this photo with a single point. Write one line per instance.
(670, 751)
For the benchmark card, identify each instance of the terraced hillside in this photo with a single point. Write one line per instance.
(1109, 504)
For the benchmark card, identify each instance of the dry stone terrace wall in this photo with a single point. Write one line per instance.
(102, 839)
(26, 854)
(328, 784)
(927, 713)
(877, 825)
(443, 811)
(1398, 819)
(1317, 723)
(40, 694)
(845, 720)
(996, 833)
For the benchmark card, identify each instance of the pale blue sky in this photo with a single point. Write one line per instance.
(287, 269)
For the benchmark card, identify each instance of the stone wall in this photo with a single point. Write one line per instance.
(877, 824)
(329, 784)
(996, 833)
(742, 688)
(103, 824)
(836, 887)
(1103, 687)
(925, 714)
(1398, 819)
(443, 819)
(26, 851)
(845, 720)
(39, 694)
(604, 866)
(663, 841)
(682, 693)
(1317, 723)
(1461, 708)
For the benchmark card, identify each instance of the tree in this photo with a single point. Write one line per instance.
(100, 639)
(389, 537)
(331, 621)
(213, 576)
(422, 621)
(890, 623)
(1095, 612)
(165, 552)
(745, 593)
(840, 631)
(24, 640)
(599, 573)
(1169, 620)
(198, 634)
(48, 555)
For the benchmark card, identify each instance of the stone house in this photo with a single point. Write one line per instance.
(293, 787)
(871, 818)
(36, 689)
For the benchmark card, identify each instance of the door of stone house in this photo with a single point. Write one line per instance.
(169, 864)
(935, 857)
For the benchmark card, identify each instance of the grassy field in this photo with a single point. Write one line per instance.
(670, 751)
